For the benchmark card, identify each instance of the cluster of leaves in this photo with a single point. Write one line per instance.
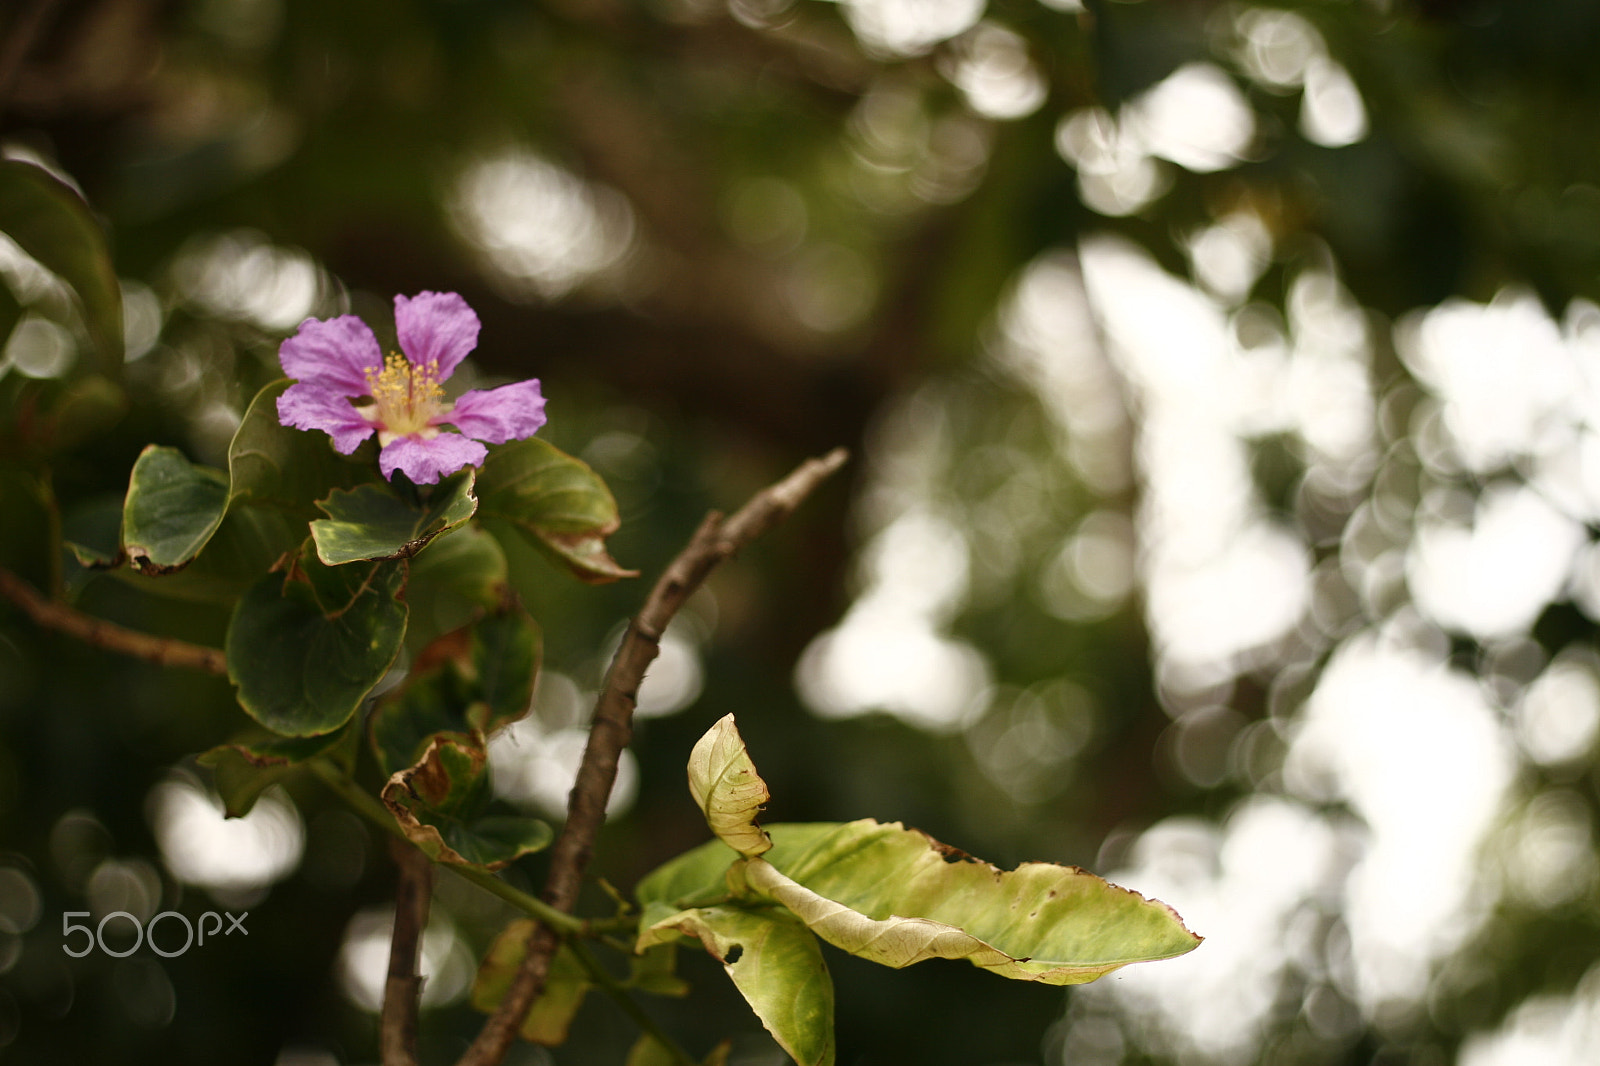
(761, 900)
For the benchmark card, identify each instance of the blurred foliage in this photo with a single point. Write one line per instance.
(772, 232)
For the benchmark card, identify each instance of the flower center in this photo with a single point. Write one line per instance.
(407, 399)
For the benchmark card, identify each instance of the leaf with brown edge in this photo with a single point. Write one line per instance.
(244, 768)
(727, 788)
(555, 501)
(438, 803)
(897, 896)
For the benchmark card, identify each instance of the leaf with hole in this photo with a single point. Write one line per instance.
(775, 963)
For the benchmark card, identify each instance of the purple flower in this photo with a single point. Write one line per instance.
(401, 398)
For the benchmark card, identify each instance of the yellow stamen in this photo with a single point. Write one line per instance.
(407, 399)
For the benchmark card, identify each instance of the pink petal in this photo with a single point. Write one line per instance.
(511, 412)
(333, 354)
(307, 406)
(435, 325)
(426, 461)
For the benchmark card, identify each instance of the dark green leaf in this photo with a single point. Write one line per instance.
(373, 522)
(244, 768)
(275, 466)
(459, 577)
(172, 510)
(505, 659)
(406, 722)
(50, 222)
(305, 660)
(556, 501)
(249, 541)
(470, 682)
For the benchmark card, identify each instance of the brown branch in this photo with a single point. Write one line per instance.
(51, 614)
(397, 1028)
(612, 728)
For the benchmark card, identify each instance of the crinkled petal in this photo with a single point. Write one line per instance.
(306, 406)
(510, 412)
(426, 461)
(334, 354)
(435, 325)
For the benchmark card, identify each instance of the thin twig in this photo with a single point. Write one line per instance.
(612, 728)
(571, 928)
(397, 1027)
(52, 614)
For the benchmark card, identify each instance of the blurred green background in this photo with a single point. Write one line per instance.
(1223, 381)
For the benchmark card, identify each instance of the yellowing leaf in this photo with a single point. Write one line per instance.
(730, 793)
(565, 986)
(777, 966)
(897, 896)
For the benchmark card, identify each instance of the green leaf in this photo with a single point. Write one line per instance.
(250, 541)
(505, 661)
(305, 653)
(648, 1051)
(50, 222)
(656, 972)
(373, 522)
(462, 574)
(436, 802)
(557, 502)
(172, 509)
(775, 962)
(276, 466)
(244, 768)
(405, 722)
(696, 878)
(550, 1017)
(470, 682)
(730, 793)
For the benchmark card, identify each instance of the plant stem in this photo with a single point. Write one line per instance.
(397, 1027)
(53, 614)
(612, 728)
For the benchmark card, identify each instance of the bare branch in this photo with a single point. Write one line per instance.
(51, 614)
(397, 1032)
(612, 728)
